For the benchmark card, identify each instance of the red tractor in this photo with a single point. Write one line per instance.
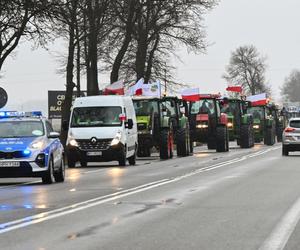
(207, 123)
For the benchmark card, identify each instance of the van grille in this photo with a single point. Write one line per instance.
(99, 145)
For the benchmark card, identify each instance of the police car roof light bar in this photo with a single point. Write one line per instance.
(11, 114)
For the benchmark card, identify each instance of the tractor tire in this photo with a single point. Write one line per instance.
(222, 139)
(166, 145)
(211, 143)
(279, 132)
(144, 151)
(182, 142)
(285, 151)
(269, 139)
(245, 139)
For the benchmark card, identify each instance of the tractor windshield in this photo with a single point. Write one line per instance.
(257, 112)
(145, 107)
(205, 106)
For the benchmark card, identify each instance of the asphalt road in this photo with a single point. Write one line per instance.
(244, 199)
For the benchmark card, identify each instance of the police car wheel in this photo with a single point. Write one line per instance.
(59, 176)
(48, 177)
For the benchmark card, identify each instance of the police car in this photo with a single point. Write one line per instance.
(29, 147)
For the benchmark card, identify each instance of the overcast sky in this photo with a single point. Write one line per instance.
(271, 25)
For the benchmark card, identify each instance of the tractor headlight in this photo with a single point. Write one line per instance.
(116, 140)
(202, 126)
(256, 126)
(229, 125)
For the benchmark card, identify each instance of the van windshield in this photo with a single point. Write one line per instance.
(96, 117)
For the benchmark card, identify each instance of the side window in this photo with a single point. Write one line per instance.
(49, 128)
(171, 108)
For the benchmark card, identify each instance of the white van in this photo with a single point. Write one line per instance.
(102, 128)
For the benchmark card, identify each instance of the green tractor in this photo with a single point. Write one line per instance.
(264, 124)
(207, 123)
(240, 124)
(280, 121)
(161, 123)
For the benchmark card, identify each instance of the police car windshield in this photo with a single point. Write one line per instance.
(96, 117)
(16, 129)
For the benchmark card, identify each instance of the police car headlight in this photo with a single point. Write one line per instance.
(37, 145)
(116, 140)
(73, 142)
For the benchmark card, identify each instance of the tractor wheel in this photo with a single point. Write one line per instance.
(245, 140)
(211, 143)
(165, 149)
(279, 132)
(182, 142)
(222, 139)
(269, 137)
(144, 151)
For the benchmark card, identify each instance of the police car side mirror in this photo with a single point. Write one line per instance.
(129, 124)
(53, 135)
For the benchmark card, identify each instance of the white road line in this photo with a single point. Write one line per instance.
(20, 184)
(38, 218)
(284, 229)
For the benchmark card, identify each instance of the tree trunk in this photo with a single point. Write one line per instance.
(67, 104)
(141, 54)
(150, 60)
(92, 85)
(114, 76)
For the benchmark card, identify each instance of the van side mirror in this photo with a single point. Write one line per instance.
(129, 124)
(65, 125)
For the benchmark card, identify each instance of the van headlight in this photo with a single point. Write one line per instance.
(73, 142)
(116, 140)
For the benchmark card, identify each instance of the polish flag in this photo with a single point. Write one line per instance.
(117, 88)
(192, 94)
(137, 89)
(237, 89)
(258, 100)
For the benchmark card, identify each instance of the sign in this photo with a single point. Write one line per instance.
(3, 97)
(55, 101)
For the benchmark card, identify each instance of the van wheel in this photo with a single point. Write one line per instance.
(59, 176)
(132, 159)
(71, 162)
(122, 159)
(48, 177)
(83, 163)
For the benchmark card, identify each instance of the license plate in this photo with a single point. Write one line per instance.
(9, 164)
(98, 153)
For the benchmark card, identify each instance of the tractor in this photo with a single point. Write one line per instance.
(161, 123)
(207, 123)
(240, 124)
(280, 121)
(264, 124)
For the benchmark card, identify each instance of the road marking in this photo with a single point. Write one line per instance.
(284, 229)
(41, 217)
(20, 184)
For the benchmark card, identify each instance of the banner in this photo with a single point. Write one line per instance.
(191, 94)
(258, 100)
(55, 101)
(151, 89)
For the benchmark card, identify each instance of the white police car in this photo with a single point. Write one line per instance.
(29, 147)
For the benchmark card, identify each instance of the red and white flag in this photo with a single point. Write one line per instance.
(257, 100)
(117, 88)
(137, 89)
(237, 89)
(192, 94)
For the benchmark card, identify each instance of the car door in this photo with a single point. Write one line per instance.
(55, 146)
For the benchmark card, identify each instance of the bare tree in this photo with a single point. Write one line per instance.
(23, 18)
(247, 68)
(291, 87)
